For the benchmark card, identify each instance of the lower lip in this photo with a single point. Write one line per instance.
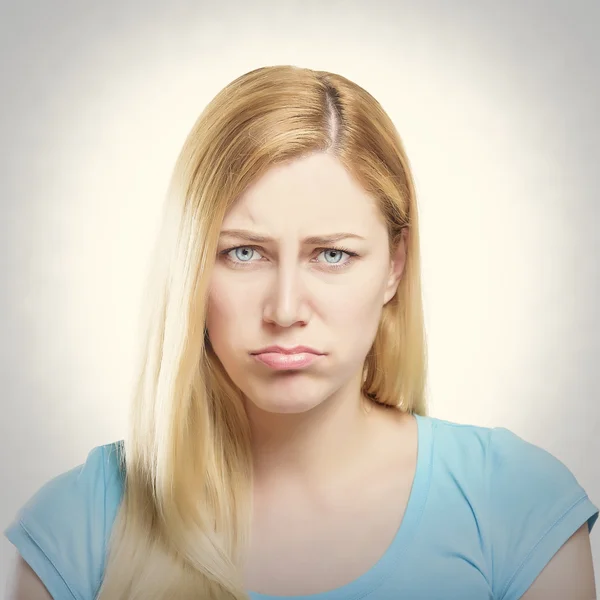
(280, 361)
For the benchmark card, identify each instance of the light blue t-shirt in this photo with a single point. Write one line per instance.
(486, 513)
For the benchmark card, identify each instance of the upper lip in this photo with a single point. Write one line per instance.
(282, 350)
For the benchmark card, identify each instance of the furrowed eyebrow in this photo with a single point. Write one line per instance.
(311, 240)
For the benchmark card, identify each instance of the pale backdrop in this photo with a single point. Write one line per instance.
(497, 103)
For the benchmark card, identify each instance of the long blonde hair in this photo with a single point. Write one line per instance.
(183, 522)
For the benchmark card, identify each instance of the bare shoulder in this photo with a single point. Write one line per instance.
(24, 584)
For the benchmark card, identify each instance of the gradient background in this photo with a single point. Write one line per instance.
(497, 104)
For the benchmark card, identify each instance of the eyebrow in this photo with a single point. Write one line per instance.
(250, 236)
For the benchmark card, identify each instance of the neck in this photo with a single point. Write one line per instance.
(316, 447)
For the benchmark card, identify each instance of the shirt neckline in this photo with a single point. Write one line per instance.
(369, 581)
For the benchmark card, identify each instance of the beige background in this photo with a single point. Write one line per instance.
(497, 103)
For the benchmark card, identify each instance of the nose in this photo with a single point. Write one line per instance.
(286, 302)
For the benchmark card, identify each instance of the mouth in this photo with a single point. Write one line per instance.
(281, 358)
(281, 361)
(288, 351)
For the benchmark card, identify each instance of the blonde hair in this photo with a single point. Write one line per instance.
(183, 522)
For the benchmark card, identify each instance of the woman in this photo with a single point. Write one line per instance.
(279, 441)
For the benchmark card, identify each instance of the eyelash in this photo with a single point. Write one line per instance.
(335, 266)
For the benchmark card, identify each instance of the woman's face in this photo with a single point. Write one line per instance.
(289, 291)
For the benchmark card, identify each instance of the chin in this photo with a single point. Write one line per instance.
(285, 401)
(287, 392)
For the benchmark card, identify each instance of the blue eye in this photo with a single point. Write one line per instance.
(242, 258)
(242, 247)
(333, 250)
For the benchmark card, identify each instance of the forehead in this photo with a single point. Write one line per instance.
(309, 192)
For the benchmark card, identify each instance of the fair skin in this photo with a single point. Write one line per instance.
(322, 451)
(24, 584)
(288, 292)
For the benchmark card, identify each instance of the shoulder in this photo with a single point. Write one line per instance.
(521, 475)
(536, 505)
(527, 501)
(460, 451)
(62, 530)
(520, 469)
(503, 461)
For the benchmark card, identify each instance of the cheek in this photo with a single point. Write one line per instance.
(229, 313)
(356, 306)
(354, 322)
(219, 309)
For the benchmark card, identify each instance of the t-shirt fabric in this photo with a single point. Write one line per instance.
(487, 511)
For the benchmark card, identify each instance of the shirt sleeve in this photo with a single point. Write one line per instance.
(60, 531)
(536, 506)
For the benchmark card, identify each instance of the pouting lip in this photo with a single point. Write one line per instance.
(282, 350)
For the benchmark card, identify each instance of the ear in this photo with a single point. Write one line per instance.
(397, 263)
